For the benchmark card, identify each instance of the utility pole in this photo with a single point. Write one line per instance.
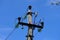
(30, 25)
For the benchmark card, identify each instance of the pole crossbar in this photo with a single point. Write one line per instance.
(30, 25)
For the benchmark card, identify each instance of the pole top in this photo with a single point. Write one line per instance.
(29, 7)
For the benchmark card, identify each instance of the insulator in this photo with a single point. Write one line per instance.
(19, 18)
(36, 13)
(17, 26)
(42, 24)
(39, 29)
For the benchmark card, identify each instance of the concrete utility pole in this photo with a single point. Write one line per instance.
(30, 25)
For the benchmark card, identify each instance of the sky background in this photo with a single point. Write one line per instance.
(11, 9)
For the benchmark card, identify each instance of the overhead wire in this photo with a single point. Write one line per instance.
(12, 31)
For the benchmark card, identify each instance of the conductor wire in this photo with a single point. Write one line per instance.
(10, 34)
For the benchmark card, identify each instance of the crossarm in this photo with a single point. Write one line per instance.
(30, 25)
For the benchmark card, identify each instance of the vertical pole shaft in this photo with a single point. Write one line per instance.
(30, 29)
(30, 33)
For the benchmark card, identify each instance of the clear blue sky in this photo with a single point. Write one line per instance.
(11, 9)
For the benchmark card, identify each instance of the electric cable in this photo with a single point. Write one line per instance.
(10, 33)
(12, 30)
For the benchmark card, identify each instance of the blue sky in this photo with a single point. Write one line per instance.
(11, 9)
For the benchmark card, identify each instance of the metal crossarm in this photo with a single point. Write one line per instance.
(30, 25)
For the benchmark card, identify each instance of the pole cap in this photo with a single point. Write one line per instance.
(29, 6)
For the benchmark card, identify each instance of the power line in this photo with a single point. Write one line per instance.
(10, 34)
